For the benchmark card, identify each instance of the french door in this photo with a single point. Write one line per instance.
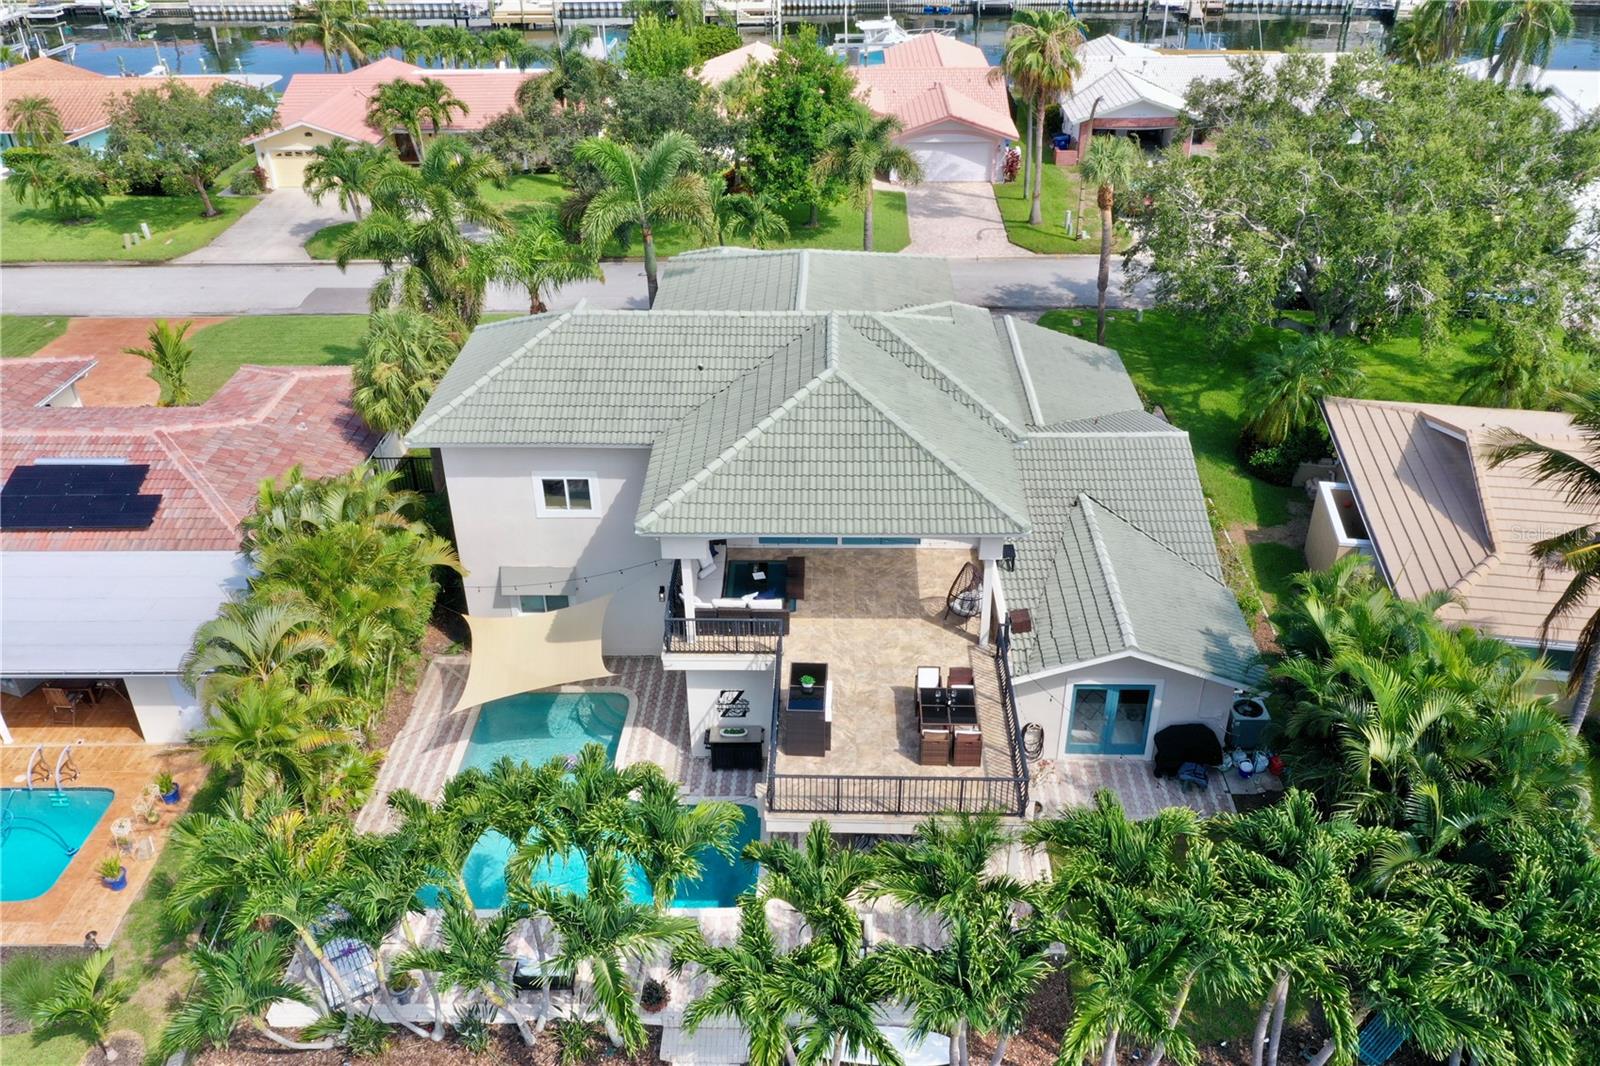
(1109, 719)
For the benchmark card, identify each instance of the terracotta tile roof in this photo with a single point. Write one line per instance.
(935, 50)
(719, 69)
(925, 96)
(337, 103)
(82, 98)
(205, 461)
(30, 382)
(1440, 517)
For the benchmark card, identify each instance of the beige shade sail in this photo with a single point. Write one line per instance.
(523, 653)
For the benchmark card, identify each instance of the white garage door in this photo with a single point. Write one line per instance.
(954, 159)
(289, 167)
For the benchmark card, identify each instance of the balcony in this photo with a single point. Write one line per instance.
(713, 635)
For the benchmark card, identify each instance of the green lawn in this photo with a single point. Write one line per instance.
(839, 226)
(1060, 196)
(29, 234)
(1201, 386)
(316, 340)
(25, 334)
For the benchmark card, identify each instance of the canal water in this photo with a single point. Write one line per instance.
(190, 48)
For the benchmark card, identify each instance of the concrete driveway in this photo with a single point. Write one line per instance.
(274, 231)
(957, 218)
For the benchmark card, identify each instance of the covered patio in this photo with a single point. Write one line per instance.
(98, 712)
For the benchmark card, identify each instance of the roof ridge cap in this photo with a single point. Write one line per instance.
(197, 479)
(1137, 528)
(929, 447)
(1118, 606)
(483, 379)
(960, 386)
(1021, 362)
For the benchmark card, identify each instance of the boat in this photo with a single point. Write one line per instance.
(866, 47)
(45, 12)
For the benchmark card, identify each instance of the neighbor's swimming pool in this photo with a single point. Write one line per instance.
(538, 726)
(40, 831)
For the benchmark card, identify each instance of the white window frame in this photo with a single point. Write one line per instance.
(596, 506)
(546, 597)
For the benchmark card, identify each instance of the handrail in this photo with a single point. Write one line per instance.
(728, 636)
(64, 757)
(37, 753)
(1008, 711)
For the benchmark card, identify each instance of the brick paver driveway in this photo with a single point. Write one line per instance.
(957, 218)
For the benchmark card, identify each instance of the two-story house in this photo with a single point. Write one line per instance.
(888, 540)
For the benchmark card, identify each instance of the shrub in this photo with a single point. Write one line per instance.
(249, 182)
(1276, 463)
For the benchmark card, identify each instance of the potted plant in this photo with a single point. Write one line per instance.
(167, 785)
(807, 683)
(653, 996)
(112, 873)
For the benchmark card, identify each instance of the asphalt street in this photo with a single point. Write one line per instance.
(136, 290)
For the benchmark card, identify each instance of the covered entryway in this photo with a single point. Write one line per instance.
(955, 158)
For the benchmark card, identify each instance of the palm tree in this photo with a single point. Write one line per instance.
(1291, 383)
(742, 215)
(404, 353)
(1526, 32)
(1111, 163)
(1439, 30)
(85, 998)
(235, 984)
(1577, 475)
(273, 735)
(667, 837)
(568, 68)
(34, 121)
(818, 879)
(345, 170)
(338, 27)
(415, 229)
(537, 256)
(254, 640)
(407, 105)
(601, 933)
(642, 192)
(1041, 61)
(302, 506)
(860, 148)
(169, 356)
(471, 957)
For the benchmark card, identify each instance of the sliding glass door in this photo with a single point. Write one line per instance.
(1109, 719)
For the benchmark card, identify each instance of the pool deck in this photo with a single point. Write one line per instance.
(79, 902)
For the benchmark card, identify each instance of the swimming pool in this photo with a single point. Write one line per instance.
(539, 726)
(40, 831)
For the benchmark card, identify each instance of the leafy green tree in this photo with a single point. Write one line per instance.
(169, 354)
(1525, 362)
(804, 90)
(186, 137)
(668, 837)
(859, 148)
(338, 27)
(407, 105)
(85, 999)
(537, 257)
(344, 170)
(250, 639)
(1041, 61)
(236, 983)
(642, 110)
(68, 179)
(415, 229)
(712, 39)
(1111, 163)
(752, 217)
(273, 736)
(659, 47)
(404, 353)
(570, 71)
(1420, 174)
(303, 506)
(34, 121)
(640, 191)
(1574, 551)
(1290, 383)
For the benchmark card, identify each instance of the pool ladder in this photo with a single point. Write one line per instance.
(34, 759)
(63, 762)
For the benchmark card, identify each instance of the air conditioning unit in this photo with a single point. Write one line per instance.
(1247, 725)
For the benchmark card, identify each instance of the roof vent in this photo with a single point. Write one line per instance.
(1021, 620)
(699, 366)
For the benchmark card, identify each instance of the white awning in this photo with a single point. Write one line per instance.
(525, 653)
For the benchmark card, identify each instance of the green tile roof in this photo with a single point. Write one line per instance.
(742, 279)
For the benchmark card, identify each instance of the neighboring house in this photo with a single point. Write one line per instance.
(1415, 490)
(719, 69)
(111, 605)
(1133, 89)
(318, 109)
(86, 100)
(956, 118)
(798, 459)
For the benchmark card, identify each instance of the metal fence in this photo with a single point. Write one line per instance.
(414, 472)
(722, 636)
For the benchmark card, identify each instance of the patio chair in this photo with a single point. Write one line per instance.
(960, 676)
(928, 677)
(934, 746)
(967, 749)
(965, 597)
(62, 702)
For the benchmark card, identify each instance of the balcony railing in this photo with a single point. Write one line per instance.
(919, 796)
(722, 636)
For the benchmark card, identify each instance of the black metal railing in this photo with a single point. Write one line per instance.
(722, 636)
(905, 795)
(413, 472)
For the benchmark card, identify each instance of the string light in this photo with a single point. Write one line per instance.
(583, 579)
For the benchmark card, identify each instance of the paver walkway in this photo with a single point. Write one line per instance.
(118, 379)
(957, 218)
(275, 231)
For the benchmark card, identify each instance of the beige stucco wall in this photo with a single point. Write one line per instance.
(1179, 697)
(497, 523)
(1326, 542)
(284, 155)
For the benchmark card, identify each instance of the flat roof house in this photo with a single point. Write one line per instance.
(1416, 492)
(804, 477)
(119, 532)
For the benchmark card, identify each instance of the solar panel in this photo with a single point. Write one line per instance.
(63, 496)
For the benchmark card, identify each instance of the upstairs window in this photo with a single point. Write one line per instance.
(541, 604)
(562, 495)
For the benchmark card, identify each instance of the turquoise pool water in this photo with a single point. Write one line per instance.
(537, 727)
(40, 832)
